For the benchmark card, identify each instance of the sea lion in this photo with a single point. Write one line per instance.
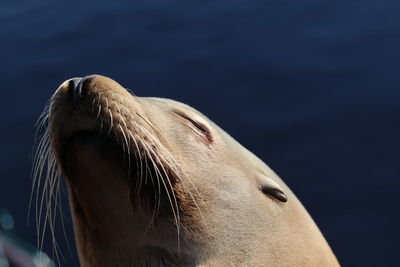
(153, 182)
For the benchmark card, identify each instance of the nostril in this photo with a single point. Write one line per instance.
(76, 87)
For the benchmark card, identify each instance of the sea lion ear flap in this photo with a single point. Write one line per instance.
(271, 188)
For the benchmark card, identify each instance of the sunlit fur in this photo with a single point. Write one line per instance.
(212, 185)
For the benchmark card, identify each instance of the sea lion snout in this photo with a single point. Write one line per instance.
(78, 87)
(91, 103)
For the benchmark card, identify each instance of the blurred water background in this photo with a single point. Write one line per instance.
(311, 87)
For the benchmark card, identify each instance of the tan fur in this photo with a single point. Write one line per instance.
(225, 219)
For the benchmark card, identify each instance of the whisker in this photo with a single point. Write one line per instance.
(45, 184)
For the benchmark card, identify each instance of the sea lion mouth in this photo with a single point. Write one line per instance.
(82, 152)
(105, 147)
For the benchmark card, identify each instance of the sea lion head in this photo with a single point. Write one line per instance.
(153, 181)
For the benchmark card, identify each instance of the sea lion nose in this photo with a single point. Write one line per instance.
(75, 89)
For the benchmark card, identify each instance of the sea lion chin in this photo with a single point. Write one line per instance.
(153, 182)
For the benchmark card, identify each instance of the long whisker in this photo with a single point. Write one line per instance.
(46, 184)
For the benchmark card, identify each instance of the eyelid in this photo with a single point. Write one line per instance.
(200, 126)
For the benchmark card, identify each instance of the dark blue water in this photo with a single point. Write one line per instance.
(312, 87)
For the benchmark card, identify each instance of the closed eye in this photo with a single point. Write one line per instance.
(198, 125)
